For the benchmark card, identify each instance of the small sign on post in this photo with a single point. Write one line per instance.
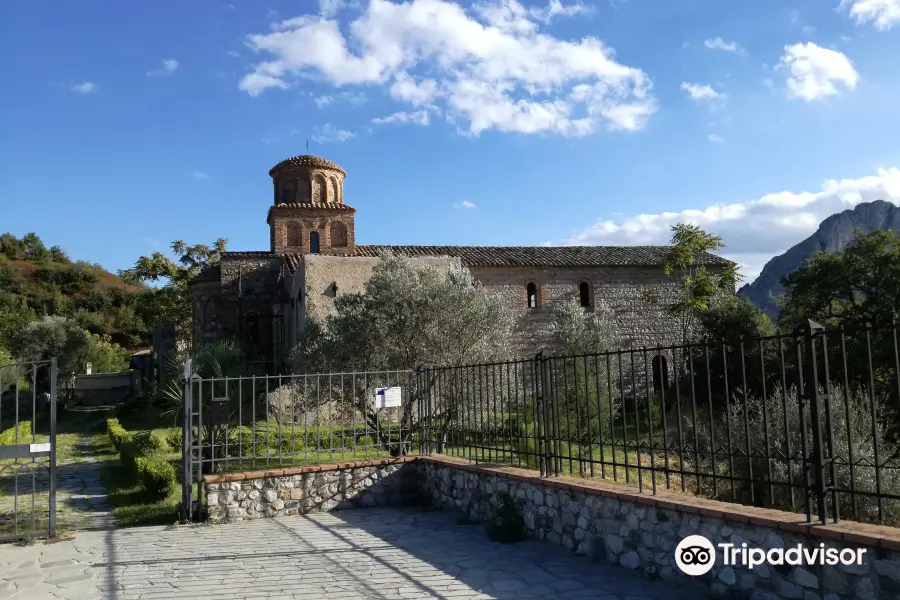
(389, 397)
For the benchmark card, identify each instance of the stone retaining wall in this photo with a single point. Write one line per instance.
(639, 532)
(301, 490)
(608, 522)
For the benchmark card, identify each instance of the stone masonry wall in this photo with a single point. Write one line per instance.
(301, 490)
(639, 532)
(640, 324)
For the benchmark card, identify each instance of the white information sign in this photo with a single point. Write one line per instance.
(387, 397)
(34, 448)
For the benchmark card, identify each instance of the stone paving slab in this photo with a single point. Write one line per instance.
(383, 554)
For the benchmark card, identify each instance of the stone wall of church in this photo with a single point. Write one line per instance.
(640, 323)
(322, 273)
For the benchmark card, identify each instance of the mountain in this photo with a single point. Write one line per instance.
(834, 234)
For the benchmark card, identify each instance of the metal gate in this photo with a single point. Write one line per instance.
(28, 450)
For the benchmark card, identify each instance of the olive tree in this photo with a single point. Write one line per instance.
(410, 315)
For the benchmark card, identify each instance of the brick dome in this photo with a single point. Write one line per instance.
(307, 160)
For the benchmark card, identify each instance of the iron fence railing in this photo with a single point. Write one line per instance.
(263, 422)
(28, 449)
(807, 422)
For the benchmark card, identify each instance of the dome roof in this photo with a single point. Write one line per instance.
(307, 160)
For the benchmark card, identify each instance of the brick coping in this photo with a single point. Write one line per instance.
(288, 471)
(880, 536)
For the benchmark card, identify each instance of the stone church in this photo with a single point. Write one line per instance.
(263, 298)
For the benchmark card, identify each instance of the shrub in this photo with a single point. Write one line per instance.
(8, 437)
(117, 434)
(173, 439)
(365, 440)
(157, 475)
(139, 444)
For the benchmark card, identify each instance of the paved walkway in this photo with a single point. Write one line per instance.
(382, 554)
(80, 497)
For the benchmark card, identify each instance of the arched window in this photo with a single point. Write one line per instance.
(320, 190)
(531, 294)
(338, 235)
(584, 294)
(336, 196)
(660, 373)
(293, 235)
(288, 194)
(314, 242)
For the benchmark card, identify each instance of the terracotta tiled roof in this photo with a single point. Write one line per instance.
(334, 205)
(541, 256)
(308, 160)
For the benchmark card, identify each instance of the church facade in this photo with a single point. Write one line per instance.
(264, 298)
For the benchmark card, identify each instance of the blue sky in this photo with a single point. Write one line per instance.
(129, 125)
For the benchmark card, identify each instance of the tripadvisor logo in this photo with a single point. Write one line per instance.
(695, 555)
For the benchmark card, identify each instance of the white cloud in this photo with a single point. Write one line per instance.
(756, 230)
(883, 14)
(355, 98)
(816, 72)
(85, 87)
(720, 44)
(330, 8)
(699, 92)
(716, 139)
(169, 66)
(488, 67)
(419, 117)
(199, 175)
(465, 204)
(329, 133)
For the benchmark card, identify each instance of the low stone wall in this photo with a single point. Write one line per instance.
(639, 532)
(606, 521)
(301, 490)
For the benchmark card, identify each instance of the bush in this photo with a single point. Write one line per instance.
(138, 445)
(365, 440)
(157, 475)
(117, 434)
(173, 439)
(8, 437)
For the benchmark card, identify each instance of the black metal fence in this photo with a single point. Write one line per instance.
(265, 422)
(27, 457)
(807, 422)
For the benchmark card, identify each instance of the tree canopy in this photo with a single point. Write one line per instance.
(172, 301)
(856, 287)
(409, 315)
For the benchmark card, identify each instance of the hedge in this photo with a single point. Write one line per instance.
(157, 475)
(173, 438)
(8, 437)
(117, 434)
(139, 444)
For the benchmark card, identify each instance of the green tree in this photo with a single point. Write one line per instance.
(696, 286)
(172, 301)
(61, 338)
(853, 288)
(411, 315)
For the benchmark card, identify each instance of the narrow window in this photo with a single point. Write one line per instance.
(584, 294)
(660, 373)
(314, 242)
(531, 292)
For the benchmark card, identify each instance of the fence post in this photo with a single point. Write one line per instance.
(53, 391)
(186, 467)
(811, 331)
(541, 430)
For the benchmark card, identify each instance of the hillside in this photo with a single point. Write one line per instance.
(36, 281)
(833, 235)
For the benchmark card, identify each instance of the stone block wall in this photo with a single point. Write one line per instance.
(302, 490)
(640, 323)
(639, 532)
